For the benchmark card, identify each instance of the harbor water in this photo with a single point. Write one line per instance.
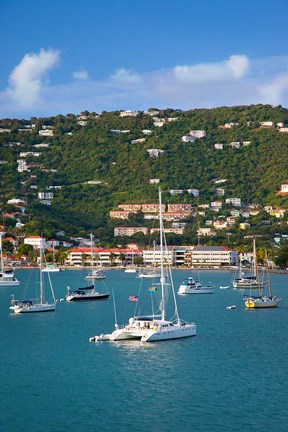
(232, 376)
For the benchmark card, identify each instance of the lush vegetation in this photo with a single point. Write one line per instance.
(78, 154)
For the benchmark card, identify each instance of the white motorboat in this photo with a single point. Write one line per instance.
(7, 277)
(155, 327)
(151, 274)
(130, 269)
(190, 286)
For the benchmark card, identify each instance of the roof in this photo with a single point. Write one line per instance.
(212, 248)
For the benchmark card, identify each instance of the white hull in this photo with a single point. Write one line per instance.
(41, 307)
(189, 286)
(149, 275)
(51, 269)
(149, 331)
(203, 290)
(245, 284)
(130, 271)
(9, 282)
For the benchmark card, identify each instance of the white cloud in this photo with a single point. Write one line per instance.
(238, 64)
(126, 76)
(26, 80)
(81, 75)
(236, 80)
(274, 91)
(235, 67)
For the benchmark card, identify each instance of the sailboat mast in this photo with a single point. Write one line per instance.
(162, 278)
(92, 259)
(256, 270)
(268, 277)
(2, 262)
(41, 275)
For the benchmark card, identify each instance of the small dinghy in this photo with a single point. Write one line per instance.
(231, 307)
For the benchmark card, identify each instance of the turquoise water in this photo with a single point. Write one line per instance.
(232, 376)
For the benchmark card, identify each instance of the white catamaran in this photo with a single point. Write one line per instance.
(153, 328)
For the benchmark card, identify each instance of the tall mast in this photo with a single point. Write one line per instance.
(256, 267)
(92, 258)
(41, 275)
(162, 278)
(2, 263)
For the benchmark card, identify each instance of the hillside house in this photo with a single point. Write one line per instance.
(176, 191)
(206, 232)
(154, 152)
(128, 113)
(219, 146)
(198, 134)
(188, 138)
(234, 201)
(194, 192)
(235, 144)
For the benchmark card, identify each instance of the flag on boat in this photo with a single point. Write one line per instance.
(153, 289)
(133, 298)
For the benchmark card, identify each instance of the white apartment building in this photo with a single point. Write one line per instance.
(129, 231)
(213, 256)
(152, 257)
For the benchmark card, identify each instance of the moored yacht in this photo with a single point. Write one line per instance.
(190, 286)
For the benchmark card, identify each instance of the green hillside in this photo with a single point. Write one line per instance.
(78, 154)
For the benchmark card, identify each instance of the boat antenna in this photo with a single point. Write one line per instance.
(115, 313)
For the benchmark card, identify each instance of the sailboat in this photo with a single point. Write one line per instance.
(150, 273)
(39, 304)
(89, 292)
(52, 267)
(131, 268)
(153, 328)
(7, 277)
(262, 301)
(247, 279)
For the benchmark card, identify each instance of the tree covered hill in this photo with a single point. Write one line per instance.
(102, 152)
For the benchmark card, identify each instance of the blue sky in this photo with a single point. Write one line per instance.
(66, 56)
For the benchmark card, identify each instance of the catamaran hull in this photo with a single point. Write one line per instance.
(177, 332)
